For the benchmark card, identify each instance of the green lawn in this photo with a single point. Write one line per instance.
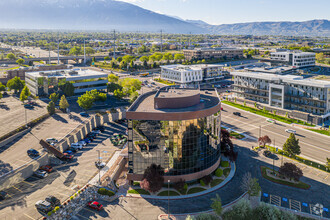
(138, 191)
(236, 135)
(325, 132)
(165, 193)
(195, 190)
(216, 182)
(136, 183)
(300, 184)
(226, 171)
(164, 81)
(266, 114)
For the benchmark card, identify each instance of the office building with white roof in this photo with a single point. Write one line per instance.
(294, 59)
(43, 83)
(284, 91)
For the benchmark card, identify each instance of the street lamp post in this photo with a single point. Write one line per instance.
(168, 194)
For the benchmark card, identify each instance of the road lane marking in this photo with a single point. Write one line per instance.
(28, 183)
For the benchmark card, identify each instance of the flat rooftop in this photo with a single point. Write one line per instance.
(174, 93)
(299, 80)
(182, 68)
(68, 73)
(146, 102)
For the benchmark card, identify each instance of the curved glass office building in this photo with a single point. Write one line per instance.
(178, 129)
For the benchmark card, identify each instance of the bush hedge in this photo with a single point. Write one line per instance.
(224, 164)
(202, 183)
(105, 192)
(218, 172)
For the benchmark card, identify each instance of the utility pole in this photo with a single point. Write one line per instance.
(84, 53)
(114, 44)
(58, 52)
(168, 203)
(161, 41)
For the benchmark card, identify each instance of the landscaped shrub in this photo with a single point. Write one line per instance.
(105, 192)
(79, 191)
(202, 183)
(75, 195)
(50, 213)
(56, 208)
(224, 163)
(179, 185)
(207, 179)
(185, 187)
(219, 172)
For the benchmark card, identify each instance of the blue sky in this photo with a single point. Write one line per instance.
(235, 11)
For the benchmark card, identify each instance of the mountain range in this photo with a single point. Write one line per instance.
(110, 14)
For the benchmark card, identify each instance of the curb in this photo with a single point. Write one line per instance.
(222, 184)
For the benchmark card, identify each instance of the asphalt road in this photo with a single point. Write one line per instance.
(313, 145)
(62, 182)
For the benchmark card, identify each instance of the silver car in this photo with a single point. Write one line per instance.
(43, 206)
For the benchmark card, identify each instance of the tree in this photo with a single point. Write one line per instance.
(67, 88)
(89, 51)
(264, 140)
(51, 107)
(54, 97)
(2, 87)
(250, 185)
(179, 56)
(15, 84)
(75, 51)
(20, 61)
(112, 78)
(217, 205)
(144, 59)
(153, 178)
(292, 145)
(64, 103)
(130, 84)
(25, 93)
(227, 146)
(206, 216)
(133, 96)
(85, 101)
(11, 56)
(113, 86)
(119, 94)
(319, 57)
(291, 171)
(240, 211)
(328, 163)
(107, 58)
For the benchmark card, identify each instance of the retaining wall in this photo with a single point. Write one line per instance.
(12, 138)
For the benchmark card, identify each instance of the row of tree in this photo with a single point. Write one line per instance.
(126, 87)
(87, 100)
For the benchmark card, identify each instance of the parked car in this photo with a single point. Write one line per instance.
(73, 149)
(3, 195)
(32, 152)
(221, 109)
(290, 131)
(77, 145)
(51, 140)
(40, 174)
(46, 168)
(68, 152)
(96, 131)
(32, 103)
(82, 143)
(28, 106)
(95, 205)
(271, 120)
(237, 113)
(44, 206)
(267, 153)
(87, 140)
(67, 156)
(84, 114)
(53, 201)
(101, 128)
(4, 65)
(99, 164)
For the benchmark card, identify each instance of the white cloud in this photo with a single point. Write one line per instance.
(131, 1)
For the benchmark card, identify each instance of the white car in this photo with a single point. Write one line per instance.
(83, 143)
(290, 131)
(77, 146)
(51, 140)
(271, 120)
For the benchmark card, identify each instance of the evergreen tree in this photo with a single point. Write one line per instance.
(51, 107)
(64, 103)
(25, 94)
(292, 145)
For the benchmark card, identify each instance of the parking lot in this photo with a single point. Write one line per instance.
(63, 181)
(12, 113)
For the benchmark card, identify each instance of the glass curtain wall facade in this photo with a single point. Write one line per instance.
(180, 147)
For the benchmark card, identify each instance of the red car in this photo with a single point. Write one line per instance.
(67, 156)
(46, 168)
(221, 109)
(95, 205)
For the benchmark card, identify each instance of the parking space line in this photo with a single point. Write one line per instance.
(17, 188)
(28, 183)
(28, 216)
(326, 177)
(82, 216)
(318, 173)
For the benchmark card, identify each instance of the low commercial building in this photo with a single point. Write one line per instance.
(294, 59)
(285, 92)
(43, 83)
(213, 53)
(176, 128)
(192, 75)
